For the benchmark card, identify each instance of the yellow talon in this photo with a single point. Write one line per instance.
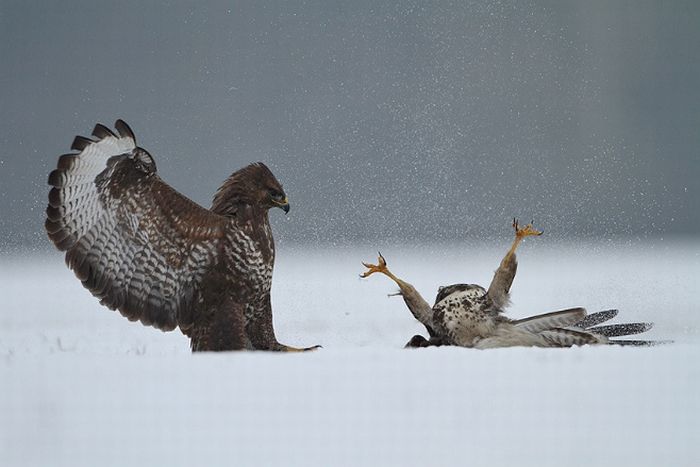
(527, 231)
(372, 268)
(287, 348)
(380, 267)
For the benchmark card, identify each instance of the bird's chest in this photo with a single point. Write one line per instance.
(463, 317)
(250, 260)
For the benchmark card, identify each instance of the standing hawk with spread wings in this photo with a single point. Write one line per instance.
(144, 249)
(468, 315)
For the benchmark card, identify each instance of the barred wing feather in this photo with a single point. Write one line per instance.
(136, 243)
(555, 319)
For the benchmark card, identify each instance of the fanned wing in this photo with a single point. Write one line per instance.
(137, 244)
(573, 327)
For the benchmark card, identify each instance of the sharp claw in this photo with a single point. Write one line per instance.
(526, 231)
(372, 268)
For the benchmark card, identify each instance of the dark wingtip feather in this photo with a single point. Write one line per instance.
(124, 129)
(129, 310)
(66, 161)
(57, 178)
(81, 270)
(100, 131)
(64, 244)
(72, 259)
(51, 225)
(639, 343)
(80, 143)
(626, 329)
(55, 197)
(596, 318)
(53, 213)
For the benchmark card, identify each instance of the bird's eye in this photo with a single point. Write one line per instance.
(274, 194)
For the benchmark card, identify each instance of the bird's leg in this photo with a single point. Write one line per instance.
(520, 234)
(414, 301)
(503, 279)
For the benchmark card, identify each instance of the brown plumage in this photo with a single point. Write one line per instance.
(144, 249)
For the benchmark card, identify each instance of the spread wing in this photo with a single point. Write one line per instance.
(137, 244)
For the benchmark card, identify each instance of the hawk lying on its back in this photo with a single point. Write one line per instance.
(467, 315)
(156, 256)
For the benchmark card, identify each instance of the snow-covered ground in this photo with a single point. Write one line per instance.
(80, 385)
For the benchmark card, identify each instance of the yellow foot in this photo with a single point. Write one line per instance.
(381, 268)
(372, 268)
(527, 231)
(286, 348)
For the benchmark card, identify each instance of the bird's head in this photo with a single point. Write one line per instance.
(253, 185)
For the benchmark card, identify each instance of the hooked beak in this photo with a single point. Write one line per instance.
(283, 204)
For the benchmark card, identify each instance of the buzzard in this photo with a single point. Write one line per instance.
(468, 315)
(144, 249)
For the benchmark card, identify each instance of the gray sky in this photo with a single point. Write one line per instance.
(413, 121)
